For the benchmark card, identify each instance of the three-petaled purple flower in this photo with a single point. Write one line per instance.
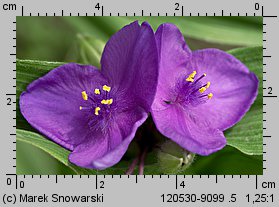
(95, 113)
(199, 94)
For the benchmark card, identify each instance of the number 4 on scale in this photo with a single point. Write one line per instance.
(97, 6)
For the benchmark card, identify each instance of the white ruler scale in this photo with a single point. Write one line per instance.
(133, 190)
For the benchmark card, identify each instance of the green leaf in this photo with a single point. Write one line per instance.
(247, 135)
(38, 163)
(228, 161)
(51, 148)
(90, 50)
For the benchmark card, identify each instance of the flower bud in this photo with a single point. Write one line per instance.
(173, 159)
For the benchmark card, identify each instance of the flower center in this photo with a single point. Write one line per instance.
(193, 92)
(97, 104)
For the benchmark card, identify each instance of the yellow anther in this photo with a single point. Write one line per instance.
(110, 101)
(80, 108)
(204, 74)
(84, 95)
(106, 88)
(104, 101)
(107, 102)
(202, 89)
(207, 85)
(97, 91)
(191, 76)
(97, 109)
(189, 79)
(210, 95)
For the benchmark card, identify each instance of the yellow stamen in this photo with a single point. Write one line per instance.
(97, 109)
(202, 89)
(204, 74)
(106, 88)
(210, 95)
(84, 95)
(80, 108)
(97, 91)
(191, 76)
(107, 102)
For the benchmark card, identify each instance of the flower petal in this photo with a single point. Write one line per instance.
(130, 62)
(234, 88)
(106, 149)
(51, 103)
(173, 57)
(184, 128)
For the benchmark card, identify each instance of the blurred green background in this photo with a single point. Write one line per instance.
(65, 39)
(56, 38)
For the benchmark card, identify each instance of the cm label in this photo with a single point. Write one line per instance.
(9, 7)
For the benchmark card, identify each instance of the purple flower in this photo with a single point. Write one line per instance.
(199, 94)
(95, 113)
